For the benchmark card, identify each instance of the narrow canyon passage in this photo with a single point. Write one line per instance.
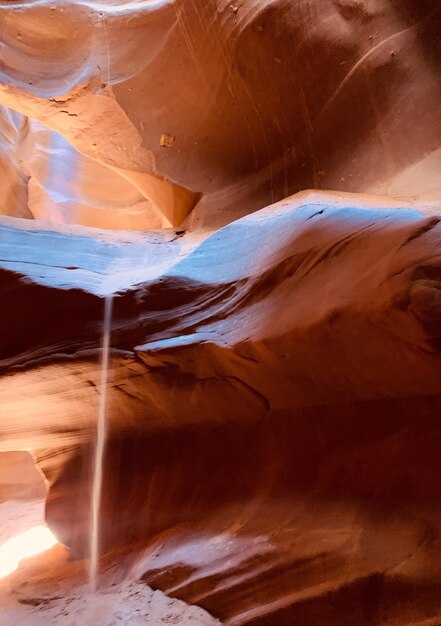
(220, 305)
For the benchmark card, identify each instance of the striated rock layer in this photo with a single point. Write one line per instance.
(256, 99)
(273, 445)
(274, 440)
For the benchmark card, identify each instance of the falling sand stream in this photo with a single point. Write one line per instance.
(100, 444)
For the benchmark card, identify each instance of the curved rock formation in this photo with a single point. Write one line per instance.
(69, 94)
(260, 99)
(266, 471)
(19, 478)
(273, 445)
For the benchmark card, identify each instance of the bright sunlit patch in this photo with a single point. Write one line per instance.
(26, 544)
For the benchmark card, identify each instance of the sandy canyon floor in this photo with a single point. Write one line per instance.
(50, 589)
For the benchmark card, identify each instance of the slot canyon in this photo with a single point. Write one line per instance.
(220, 312)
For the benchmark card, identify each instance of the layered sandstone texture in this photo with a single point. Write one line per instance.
(134, 114)
(273, 411)
(274, 401)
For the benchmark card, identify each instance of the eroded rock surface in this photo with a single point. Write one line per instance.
(273, 450)
(273, 445)
(263, 98)
(19, 478)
